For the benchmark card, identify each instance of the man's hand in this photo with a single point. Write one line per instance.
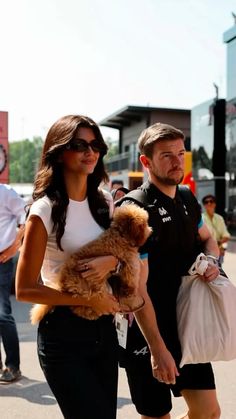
(211, 273)
(13, 249)
(163, 366)
(8, 253)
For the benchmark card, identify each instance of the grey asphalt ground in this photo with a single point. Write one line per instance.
(31, 397)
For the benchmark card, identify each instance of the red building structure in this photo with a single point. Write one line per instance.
(4, 148)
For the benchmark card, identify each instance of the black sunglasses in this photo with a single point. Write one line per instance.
(82, 146)
(208, 201)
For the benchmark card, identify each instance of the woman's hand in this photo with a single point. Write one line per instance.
(107, 304)
(96, 269)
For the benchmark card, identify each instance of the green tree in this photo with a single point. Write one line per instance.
(112, 148)
(24, 157)
(25, 154)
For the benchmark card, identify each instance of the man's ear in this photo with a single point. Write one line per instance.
(145, 161)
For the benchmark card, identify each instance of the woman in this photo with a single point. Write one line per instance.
(216, 224)
(78, 356)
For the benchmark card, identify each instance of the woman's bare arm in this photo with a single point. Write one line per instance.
(28, 288)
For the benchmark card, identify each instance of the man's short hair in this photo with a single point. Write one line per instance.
(157, 132)
(117, 181)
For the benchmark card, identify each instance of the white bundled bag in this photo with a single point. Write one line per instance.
(206, 316)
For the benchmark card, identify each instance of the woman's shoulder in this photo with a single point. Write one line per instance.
(42, 207)
(205, 216)
(43, 204)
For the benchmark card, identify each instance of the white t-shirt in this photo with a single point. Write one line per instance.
(80, 228)
(12, 214)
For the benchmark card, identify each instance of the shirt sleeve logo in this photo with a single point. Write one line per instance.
(162, 211)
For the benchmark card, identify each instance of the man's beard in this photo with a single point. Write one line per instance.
(167, 180)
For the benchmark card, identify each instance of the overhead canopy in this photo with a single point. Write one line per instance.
(129, 114)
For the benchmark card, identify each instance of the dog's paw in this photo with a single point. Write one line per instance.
(86, 312)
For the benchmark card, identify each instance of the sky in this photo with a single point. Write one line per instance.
(94, 57)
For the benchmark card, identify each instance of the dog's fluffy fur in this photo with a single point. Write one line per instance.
(128, 231)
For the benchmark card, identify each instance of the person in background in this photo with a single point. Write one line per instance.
(119, 193)
(152, 358)
(0, 359)
(12, 219)
(116, 183)
(216, 224)
(79, 357)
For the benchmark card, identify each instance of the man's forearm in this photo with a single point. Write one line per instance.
(19, 236)
(146, 319)
(15, 246)
(210, 244)
(211, 247)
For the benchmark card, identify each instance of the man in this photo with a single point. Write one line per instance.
(12, 216)
(216, 224)
(0, 360)
(168, 255)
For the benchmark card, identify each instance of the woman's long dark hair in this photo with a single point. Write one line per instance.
(49, 180)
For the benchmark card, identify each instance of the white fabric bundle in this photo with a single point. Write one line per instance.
(206, 316)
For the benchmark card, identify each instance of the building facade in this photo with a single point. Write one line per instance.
(202, 138)
(229, 38)
(4, 148)
(130, 122)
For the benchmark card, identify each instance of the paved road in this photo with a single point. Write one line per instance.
(31, 397)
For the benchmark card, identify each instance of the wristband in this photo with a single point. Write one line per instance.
(213, 259)
(216, 262)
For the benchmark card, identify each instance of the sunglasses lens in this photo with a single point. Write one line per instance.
(77, 146)
(82, 146)
(96, 145)
(209, 201)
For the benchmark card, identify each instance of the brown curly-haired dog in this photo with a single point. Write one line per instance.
(128, 231)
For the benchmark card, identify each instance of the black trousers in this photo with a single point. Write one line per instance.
(79, 360)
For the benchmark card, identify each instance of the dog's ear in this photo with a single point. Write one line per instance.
(139, 231)
(132, 222)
